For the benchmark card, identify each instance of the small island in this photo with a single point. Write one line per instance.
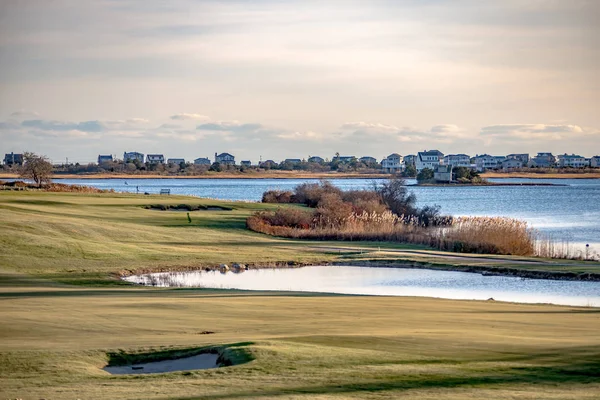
(447, 175)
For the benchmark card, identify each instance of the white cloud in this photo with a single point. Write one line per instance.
(186, 116)
(300, 136)
(533, 131)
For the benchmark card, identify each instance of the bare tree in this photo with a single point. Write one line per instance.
(396, 196)
(37, 168)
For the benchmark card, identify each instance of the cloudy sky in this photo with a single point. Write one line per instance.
(294, 78)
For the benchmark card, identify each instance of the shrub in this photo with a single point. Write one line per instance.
(426, 175)
(394, 194)
(277, 196)
(311, 193)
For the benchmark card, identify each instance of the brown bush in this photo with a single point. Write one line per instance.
(310, 194)
(278, 196)
(332, 211)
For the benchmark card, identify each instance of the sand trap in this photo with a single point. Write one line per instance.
(201, 361)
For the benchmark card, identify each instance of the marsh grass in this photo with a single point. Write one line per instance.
(496, 235)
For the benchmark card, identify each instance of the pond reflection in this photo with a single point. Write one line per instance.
(387, 282)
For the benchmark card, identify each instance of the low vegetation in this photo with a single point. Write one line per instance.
(387, 213)
(51, 187)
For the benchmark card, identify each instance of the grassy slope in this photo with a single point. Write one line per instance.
(77, 238)
(54, 337)
(55, 340)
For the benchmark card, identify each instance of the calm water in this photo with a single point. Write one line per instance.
(568, 213)
(389, 282)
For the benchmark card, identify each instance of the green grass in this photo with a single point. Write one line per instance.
(88, 239)
(54, 342)
(55, 337)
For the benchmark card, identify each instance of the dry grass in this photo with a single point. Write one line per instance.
(466, 234)
(52, 187)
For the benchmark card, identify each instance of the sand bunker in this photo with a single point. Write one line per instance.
(201, 361)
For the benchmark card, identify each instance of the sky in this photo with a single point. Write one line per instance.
(277, 79)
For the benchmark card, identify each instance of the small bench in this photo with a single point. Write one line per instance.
(165, 191)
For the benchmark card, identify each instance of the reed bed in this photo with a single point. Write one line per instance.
(465, 234)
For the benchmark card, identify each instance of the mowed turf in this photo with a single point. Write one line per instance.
(55, 337)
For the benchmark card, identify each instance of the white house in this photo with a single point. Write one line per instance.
(202, 161)
(392, 163)
(176, 161)
(573, 161)
(132, 156)
(225, 158)
(511, 163)
(485, 161)
(595, 162)
(428, 159)
(155, 159)
(457, 160)
(523, 157)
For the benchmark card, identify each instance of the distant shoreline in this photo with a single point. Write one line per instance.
(533, 175)
(219, 176)
(488, 184)
(308, 175)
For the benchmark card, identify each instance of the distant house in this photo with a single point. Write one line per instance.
(457, 160)
(177, 161)
(132, 156)
(511, 163)
(344, 159)
(246, 163)
(573, 161)
(155, 159)
(392, 163)
(225, 158)
(595, 162)
(428, 159)
(443, 173)
(524, 158)
(268, 164)
(368, 160)
(316, 159)
(105, 159)
(545, 160)
(202, 161)
(410, 159)
(485, 161)
(292, 161)
(13, 159)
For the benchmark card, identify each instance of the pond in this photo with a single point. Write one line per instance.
(387, 282)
